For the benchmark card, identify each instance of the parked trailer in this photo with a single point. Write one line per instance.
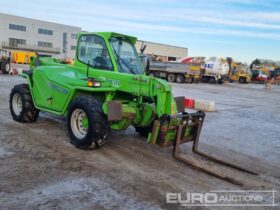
(214, 71)
(171, 71)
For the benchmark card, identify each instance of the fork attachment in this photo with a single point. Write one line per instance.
(196, 123)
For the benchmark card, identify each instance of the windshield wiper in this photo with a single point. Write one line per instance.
(120, 58)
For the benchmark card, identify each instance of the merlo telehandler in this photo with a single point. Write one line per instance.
(106, 89)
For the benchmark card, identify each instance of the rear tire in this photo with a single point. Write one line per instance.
(171, 78)
(188, 80)
(195, 80)
(220, 82)
(21, 104)
(6, 67)
(242, 80)
(86, 122)
(180, 78)
(205, 79)
(212, 80)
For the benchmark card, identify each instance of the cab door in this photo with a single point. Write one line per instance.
(93, 51)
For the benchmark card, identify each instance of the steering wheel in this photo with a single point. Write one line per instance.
(99, 62)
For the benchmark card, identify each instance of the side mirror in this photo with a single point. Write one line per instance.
(143, 47)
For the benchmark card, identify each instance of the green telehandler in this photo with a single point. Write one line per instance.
(106, 89)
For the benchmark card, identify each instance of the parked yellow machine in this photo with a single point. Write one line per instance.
(193, 73)
(240, 73)
(22, 57)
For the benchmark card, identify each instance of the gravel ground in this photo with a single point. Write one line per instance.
(40, 169)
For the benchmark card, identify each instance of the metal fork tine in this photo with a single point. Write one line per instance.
(177, 155)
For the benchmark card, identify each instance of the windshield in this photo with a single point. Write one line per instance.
(126, 55)
(92, 50)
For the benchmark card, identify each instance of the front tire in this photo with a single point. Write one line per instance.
(196, 80)
(205, 79)
(242, 80)
(21, 104)
(86, 122)
(189, 80)
(180, 78)
(212, 80)
(171, 77)
(220, 82)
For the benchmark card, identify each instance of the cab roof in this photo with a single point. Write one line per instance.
(108, 35)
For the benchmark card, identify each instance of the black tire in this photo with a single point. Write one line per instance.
(5, 67)
(188, 80)
(242, 80)
(196, 80)
(98, 125)
(171, 77)
(144, 131)
(220, 81)
(204, 79)
(180, 78)
(28, 113)
(212, 80)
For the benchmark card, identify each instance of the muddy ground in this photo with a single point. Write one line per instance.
(40, 169)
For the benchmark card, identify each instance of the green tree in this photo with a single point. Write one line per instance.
(255, 62)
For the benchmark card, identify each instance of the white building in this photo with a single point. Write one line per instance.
(19, 33)
(26, 34)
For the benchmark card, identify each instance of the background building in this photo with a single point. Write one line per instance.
(162, 51)
(19, 33)
(26, 34)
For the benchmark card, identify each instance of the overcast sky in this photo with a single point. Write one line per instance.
(242, 29)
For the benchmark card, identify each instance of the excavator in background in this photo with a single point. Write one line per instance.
(259, 75)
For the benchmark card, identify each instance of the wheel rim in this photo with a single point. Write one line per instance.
(7, 67)
(171, 78)
(79, 123)
(178, 79)
(17, 104)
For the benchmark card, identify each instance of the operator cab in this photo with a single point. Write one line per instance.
(118, 53)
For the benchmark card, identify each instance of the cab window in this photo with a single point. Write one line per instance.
(126, 56)
(92, 50)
